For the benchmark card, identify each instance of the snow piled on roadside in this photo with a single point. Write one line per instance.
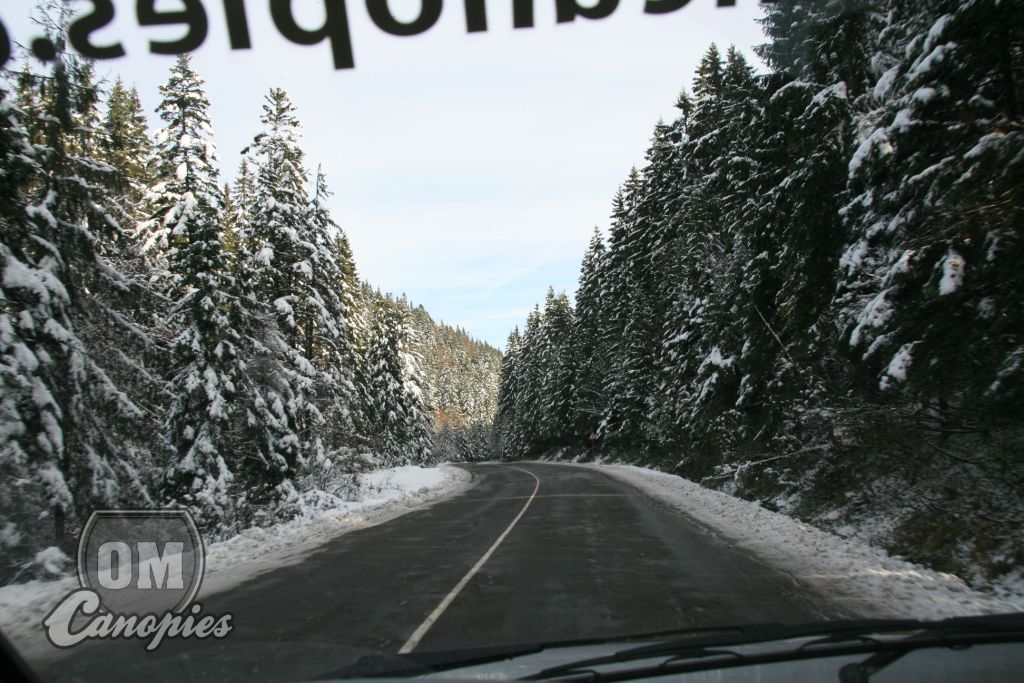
(382, 495)
(860, 578)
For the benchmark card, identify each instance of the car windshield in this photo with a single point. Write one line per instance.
(541, 339)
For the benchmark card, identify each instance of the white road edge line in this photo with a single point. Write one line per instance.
(418, 634)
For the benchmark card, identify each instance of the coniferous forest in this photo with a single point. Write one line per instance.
(811, 293)
(167, 339)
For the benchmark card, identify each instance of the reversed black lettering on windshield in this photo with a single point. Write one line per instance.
(192, 19)
(5, 45)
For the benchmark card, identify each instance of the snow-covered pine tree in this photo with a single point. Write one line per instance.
(328, 320)
(653, 264)
(590, 356)
(418, 428)
(931, 290)
(33, 327)
(72, 307)
(753, 168)
(528, 407)
(627, 414)
(699, 256)
(506, 418)
(399, 425)
(26, 96)
(439, 358)
(558, 373)
(279, 220)
(237, 201)
(229, 219)
(628, 307)
(127, 147)
(273, 267)
(353, 299)
(709, 340)
(208, 355)
(815, 87)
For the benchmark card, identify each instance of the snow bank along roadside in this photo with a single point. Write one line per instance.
(383, 496)
(862, 579)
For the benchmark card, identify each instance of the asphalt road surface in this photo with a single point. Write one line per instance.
(531, 552)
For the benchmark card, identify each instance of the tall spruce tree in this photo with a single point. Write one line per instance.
(126, 146)
(628, 284)
(229, 219)
(588, 352)
(558, 373)
(275, 277)
(506, 420)
(34, 330)
(356, 332)
(399, 424)
(208, 355)
(328, 319)
(73, 303)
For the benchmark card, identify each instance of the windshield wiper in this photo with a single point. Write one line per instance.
(695, 646)
(949, 633)
(421, 663)
(844, 638)
(710, 645)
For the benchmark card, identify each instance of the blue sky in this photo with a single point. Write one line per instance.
(469, 170)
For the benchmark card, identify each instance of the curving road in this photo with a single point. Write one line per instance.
(531, 552)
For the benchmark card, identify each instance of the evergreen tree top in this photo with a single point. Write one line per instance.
(279, 118)
(708, 82)
(184, 92)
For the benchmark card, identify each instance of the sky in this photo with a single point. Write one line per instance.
(468, 169)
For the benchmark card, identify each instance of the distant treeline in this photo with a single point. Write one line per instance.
(461, 377)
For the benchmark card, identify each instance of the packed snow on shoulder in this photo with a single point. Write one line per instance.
(861, 579)
(380, 496)
(376, 497)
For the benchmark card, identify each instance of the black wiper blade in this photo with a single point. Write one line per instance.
(766, 632)
(420, 663)
(949, 633)
(690, 643)
(954, 626)
(696, 642)
(845, 638)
